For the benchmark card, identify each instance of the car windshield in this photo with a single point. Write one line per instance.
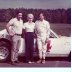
(53, 34)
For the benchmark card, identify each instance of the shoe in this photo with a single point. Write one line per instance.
(29, 62)
(16, 61)
(43, 61)
(32, 62)
(39, 61)
(12, 63)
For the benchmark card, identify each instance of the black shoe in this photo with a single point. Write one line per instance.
(16, 61)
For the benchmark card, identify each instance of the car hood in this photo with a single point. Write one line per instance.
(3, 33)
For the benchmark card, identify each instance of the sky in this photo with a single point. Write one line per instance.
(36, 4)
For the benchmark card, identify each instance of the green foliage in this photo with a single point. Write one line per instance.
(53, 16)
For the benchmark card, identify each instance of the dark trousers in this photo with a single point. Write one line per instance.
(29, 43)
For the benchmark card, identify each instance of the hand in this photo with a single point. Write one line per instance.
(35, 36)
(11, 33)
(43, 42)
(47, 40)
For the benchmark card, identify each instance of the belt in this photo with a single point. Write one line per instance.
(18, 34)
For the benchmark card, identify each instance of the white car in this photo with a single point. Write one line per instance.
(58, 46)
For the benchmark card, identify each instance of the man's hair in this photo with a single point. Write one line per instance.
(18, 12)
(41, 13)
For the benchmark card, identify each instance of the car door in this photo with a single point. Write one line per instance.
(60, 46)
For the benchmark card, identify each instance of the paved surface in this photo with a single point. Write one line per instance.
(50, 62)
(47, 64)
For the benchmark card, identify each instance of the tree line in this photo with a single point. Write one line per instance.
(52, 15)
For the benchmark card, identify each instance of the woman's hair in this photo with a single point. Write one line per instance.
(30, 16)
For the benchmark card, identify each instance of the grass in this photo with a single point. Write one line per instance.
(60, 29)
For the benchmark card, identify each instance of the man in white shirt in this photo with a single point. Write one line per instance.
(14, 28)
(42, 30)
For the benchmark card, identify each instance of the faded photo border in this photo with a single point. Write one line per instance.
(49, 69)
(35, 70)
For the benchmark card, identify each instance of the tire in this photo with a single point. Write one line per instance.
(69, 57)
(5, 50)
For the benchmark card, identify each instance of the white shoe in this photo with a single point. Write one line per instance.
(39, 61)
(29, 62)
(43, 61)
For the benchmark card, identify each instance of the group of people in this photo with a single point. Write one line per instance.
(41, 28)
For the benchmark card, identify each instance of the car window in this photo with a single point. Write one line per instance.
(52, 35)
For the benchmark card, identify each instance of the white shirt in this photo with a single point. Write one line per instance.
(42, 28)
(16, 26)
(29, 27)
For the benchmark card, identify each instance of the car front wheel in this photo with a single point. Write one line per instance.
(5, 50)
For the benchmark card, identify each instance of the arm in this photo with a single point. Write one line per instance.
(7, 28)
(35, 34)
(23, 31)
(10, 23)
(35, 30)
(48, 32)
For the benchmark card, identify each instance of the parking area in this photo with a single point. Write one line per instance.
(50, 62)
(47, 64)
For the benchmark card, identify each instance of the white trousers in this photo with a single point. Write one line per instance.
(42, 47)
(15, 48)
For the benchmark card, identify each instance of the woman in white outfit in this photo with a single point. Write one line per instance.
(29, 38)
